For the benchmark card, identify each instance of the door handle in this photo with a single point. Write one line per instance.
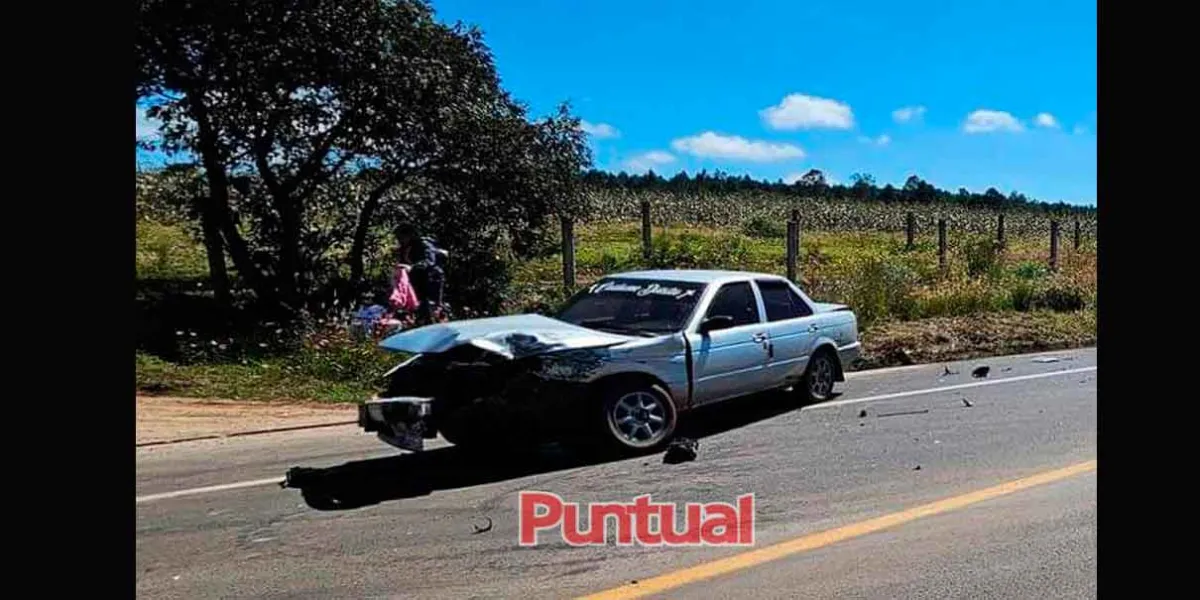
(813, 327)
(760, 337)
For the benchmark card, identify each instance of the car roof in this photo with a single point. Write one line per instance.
(691, 275)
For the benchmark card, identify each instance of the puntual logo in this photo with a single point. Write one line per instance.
(641, 522)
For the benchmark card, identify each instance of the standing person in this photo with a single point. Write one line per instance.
(419, 255)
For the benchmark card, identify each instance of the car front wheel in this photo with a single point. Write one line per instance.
(638, 417)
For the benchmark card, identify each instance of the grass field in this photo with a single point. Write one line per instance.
(987, 301)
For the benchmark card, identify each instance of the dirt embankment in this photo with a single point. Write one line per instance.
(161, 419)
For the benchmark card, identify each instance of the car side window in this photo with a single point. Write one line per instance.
(781, 301)
(735, 300)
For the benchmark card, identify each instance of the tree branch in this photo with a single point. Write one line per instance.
(309, 169)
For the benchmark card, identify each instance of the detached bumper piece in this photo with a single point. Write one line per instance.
(403, 422)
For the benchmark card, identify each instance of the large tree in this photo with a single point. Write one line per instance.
(317, 121)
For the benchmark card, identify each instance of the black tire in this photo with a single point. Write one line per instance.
(636, 417)
(819, 377)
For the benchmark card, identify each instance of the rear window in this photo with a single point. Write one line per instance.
(781, 301)
(633, 306)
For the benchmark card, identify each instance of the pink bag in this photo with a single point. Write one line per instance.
(404, 297)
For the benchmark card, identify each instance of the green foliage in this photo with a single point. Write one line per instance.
(1057, 295)
(877, 287)
(696, 251)
(762, 226)
(271, 379)
(168, 252)
(1022, 295)
(332, 120)
(982, 256)
(1028, 270)
(1061, 296)
(960, 299)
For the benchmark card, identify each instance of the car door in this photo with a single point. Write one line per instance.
(791, 327)
(729, 362)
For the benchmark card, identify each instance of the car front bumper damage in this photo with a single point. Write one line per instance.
(403, 422)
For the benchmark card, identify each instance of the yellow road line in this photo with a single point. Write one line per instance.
(816, 540)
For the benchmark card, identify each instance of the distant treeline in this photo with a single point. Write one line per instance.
(814, 185)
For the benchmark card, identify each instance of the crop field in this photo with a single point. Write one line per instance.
(734, 211)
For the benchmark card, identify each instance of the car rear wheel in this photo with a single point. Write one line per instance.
(819, 377)
(638, 417)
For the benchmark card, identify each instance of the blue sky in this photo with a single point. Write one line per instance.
(661, 74)
(971, 94)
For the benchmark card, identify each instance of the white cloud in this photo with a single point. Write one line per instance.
(988, 121)
(882, 140)
(1045, 120)
(145, 127)
(715, 145)
(648, 160)
(599, 130)
(798, 111)
(908, 113)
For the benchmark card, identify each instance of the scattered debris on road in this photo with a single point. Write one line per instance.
(967, 403)
(981, 372)
(862, 414)
(485, 528)
(681, 450)
(1006, 369)
(1051, 359)
(947, 371)
(907, 412)
(917, 468)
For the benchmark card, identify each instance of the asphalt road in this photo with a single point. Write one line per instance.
(835, 494)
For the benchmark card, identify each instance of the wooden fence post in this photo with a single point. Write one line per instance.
(796, 242)
(1000, 230)
(1054, 245)
(792, 235)
(1078, 235)
(646, 229)
(942, 244)
(910, 231)
(568, 253)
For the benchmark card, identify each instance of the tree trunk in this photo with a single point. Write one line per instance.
(215, 208)
(217, 275)
(289, 251)
(366, 217)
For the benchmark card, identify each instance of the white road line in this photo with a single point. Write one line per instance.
(886, 370)
(211, 488)
(947, 388)
(836, 403)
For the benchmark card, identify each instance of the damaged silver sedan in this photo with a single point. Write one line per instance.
(618, 365)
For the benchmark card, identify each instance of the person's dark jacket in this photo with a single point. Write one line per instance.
(422, 254)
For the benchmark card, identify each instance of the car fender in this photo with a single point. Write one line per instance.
(663, 359)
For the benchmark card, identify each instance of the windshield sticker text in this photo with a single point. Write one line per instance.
(639, 290)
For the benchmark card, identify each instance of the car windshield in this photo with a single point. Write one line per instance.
(633, 306)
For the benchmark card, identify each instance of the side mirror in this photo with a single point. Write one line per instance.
(715, 323)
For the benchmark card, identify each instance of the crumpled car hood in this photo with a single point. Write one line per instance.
(513, 336)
